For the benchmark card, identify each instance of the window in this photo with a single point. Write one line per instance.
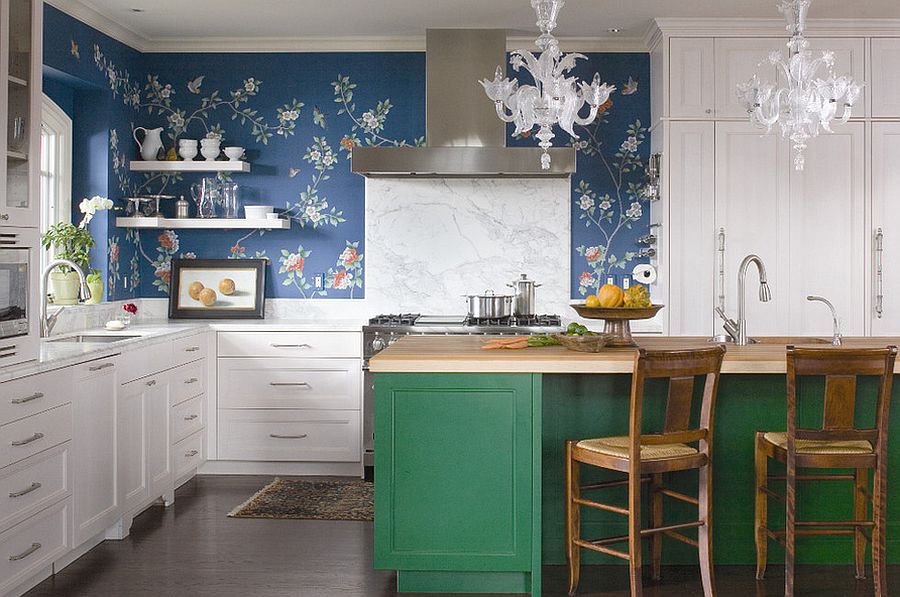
(56, 168)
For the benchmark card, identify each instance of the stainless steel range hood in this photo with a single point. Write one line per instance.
(463, 135)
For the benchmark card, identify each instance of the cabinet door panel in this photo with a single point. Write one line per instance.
(132, 466)
(827, 250)
(849, 59)
(885, 87)
(692, 70)
(159, 444)
(752, 204)
(736, 62)
(886, 215)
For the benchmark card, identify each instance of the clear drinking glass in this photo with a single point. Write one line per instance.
(230, 199)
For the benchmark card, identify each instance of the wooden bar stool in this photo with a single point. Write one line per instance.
(640, 455)
(837, 444)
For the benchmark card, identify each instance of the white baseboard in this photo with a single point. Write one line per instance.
(300, 469)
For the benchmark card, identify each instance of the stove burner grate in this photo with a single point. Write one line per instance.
(395, 319)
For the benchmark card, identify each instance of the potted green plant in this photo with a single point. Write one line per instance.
(73, 243)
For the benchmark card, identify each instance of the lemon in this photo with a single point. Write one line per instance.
(592, 301)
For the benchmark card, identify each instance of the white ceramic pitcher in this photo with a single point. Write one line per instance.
(152, 143)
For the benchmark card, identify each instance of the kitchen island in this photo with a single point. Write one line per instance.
(470, 453)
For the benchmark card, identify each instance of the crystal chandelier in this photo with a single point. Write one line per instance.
(806, 102)
(554, 98)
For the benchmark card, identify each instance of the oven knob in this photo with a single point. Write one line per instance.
(378, 344)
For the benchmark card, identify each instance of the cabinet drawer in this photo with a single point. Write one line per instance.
(32, 484)
(187, 381)
(289, 344)
(189, 349)
(34, 544)
(289, 383)
(26, 396)
(289, 435)
(188, 417)
(188, 454)
(38, 432)
(146, 360)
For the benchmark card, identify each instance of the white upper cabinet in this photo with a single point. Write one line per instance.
(753, 205)
(692, 73)
(827, 253)
(737, 60)
(886, 217)
(885, 84)
(849, 59)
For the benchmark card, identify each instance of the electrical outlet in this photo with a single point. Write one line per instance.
(611, 280)
(319, 281)
(626, 282)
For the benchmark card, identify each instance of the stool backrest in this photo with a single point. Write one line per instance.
(681, 368)
(841, 368)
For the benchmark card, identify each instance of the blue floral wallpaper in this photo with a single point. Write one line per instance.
(300, 115)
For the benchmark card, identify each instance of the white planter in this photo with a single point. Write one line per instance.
(64, 288)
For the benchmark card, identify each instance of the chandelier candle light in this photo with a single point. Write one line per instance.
(554, 98)
(806, 103)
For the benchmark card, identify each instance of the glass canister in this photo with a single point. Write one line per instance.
(231, 204)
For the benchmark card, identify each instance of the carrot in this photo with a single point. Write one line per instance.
(523, 343)
(505, 340)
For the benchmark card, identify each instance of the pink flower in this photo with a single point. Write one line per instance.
(294, 263)
(168, 240)
(114, 253)
(586, 279)
(593, 254)
(339, 278)
(130, 308)
(349, 256)
(163, 272)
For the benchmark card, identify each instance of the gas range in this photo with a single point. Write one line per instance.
(384, 330)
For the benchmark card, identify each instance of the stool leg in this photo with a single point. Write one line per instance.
(860, 513)
(789, 534)
(761, 519)
(879, 512)
(656, 520)
(634, 530)
(573, 489)
(704, 533)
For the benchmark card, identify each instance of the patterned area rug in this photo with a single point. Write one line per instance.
(311, 500)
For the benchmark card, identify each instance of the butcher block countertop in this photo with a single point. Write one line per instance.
(463, 354)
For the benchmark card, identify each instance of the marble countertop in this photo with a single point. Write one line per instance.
(56, 355)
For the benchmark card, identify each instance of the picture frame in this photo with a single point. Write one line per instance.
(218, 289)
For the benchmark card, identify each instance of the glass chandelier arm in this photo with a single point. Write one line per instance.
(592, 115)
(502, 113)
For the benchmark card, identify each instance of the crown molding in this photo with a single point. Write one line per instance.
(91, 17)
(706, 27)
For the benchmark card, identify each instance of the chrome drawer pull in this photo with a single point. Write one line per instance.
(278, 436)
(4, 217)
(33, 487)
(290, 346)
(34, 396)
(152, 382)
(28, 440)
(191, 454)
(192, 349)
(298, 384)
(191, 380)
(103, 366)
(191, 417)
(34, 547)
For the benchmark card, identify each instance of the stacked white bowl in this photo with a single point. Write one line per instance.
(187, 149)
(209, 147)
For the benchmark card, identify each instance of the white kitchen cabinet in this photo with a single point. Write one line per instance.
(884, 312)
(289, 383)
(737, 60)
(691, 204)
(159, 442)
(34, 544)
(692, 92)
(131, 413)
(885, 84)
(96, 496)
(849, 59)
(827, 252)
(753, 206)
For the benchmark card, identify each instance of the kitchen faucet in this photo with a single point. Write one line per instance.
(836, 337)
(48, 321)
(738, 329)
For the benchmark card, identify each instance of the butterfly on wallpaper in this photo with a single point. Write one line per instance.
(194, 84)
(293, 172)
(630, 87)
(73, 49)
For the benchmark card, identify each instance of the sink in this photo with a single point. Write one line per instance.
(94, 338)
(796, 340)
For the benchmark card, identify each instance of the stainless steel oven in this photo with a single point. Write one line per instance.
(18, 255)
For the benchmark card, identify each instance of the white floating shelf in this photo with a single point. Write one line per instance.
(17, 155)
(216, 223)
(18, 81)
(192, 166)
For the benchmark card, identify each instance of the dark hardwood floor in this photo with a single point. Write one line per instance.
(193, 550)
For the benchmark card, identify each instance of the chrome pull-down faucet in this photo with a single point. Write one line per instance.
(836, 338)
(737, 330)
(47, 322)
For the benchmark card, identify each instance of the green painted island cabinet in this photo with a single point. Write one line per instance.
(456, 490)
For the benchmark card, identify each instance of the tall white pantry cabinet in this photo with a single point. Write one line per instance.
(832, 229)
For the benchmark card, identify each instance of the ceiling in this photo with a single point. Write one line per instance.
(173, 20)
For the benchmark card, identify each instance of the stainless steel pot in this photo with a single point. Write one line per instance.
(489, 305)
(524, 296)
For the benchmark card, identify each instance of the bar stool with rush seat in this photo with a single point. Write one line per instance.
(646, 458)
(838, 443)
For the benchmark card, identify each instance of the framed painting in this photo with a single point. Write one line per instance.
(218, 289)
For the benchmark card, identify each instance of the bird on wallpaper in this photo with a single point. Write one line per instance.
(293, 172)
(195, 83)
(73, 49)
(630, 87)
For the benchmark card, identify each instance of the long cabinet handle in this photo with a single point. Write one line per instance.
(191, 380)
(290, 346)
(34, 396)
(298, 384)
(191, 454)
(192, 349)
(191, 417)
(879, 276)
(100, 367)
(28, 440)
(720, 258)
(33, 487)
(279, 436)
(34, 547)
